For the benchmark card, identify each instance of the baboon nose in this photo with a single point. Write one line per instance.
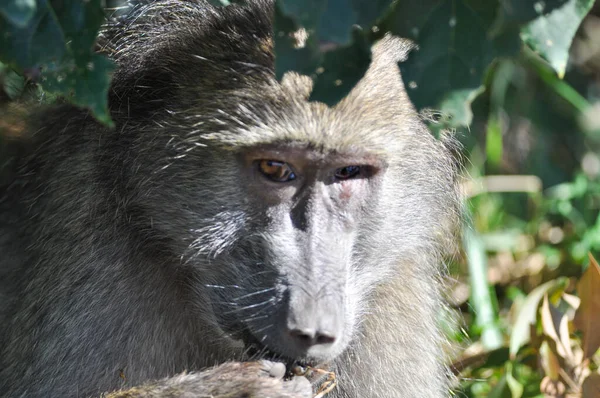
(309, 337)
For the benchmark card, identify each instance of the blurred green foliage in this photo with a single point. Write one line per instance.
(52, 42)
(534, 200)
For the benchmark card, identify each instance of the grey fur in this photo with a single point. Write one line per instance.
(157, 247)
(231, 380)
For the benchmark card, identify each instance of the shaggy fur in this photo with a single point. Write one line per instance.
(138, 253)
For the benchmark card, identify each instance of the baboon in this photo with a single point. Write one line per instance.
(225, 219)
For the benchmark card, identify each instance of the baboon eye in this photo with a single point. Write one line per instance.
(276, 171)
(347, 172)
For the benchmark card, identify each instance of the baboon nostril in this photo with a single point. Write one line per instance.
(304, 336)
(310, 337)
(325, 338)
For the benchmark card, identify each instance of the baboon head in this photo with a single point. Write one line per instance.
(285, 213)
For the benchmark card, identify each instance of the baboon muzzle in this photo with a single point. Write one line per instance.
(314, 322)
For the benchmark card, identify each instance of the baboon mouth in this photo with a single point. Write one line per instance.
(257, 350)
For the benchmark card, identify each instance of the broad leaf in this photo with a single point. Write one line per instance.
(455, 50)
(591, 386)
(587, 317)
(518, 12)
(552, 43)
(341, 70)
(304, 59)
(521, 334)
(333, 20)
(507, 386)
(334, 72)
(40, 41)
(18, 12)
(58, 28)
(59, 40)
(86, 87)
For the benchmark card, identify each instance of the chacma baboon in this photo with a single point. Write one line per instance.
(225, 219)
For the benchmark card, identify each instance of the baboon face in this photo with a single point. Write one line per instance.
(289, 208)
(288, 284)
(313, 205)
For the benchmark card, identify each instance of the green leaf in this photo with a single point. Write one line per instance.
(18, 12)
(80, 21)
(455, 50)
(334, 72)
(457, 105)
(370, 11)
(288, 57)
(333, 20)
(407, 17)
(341, 70)
(493, 141)
(516, 388)
(85, 86)
(59, 39)
(518, 12)
(40, 41)
(482, 299)
(551, 42)
(304, 13)
(12, 82)
(58, 29)
(501, 389)
(336, 21)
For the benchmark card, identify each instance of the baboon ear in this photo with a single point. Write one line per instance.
(392, 47)
(382, 83)
(297, 85)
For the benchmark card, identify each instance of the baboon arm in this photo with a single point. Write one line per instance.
(231, 380)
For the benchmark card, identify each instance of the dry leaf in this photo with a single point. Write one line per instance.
(587, 317)
(572, 300)
(591, 386)
(549, 361)
(555, 325)
(527, 316)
